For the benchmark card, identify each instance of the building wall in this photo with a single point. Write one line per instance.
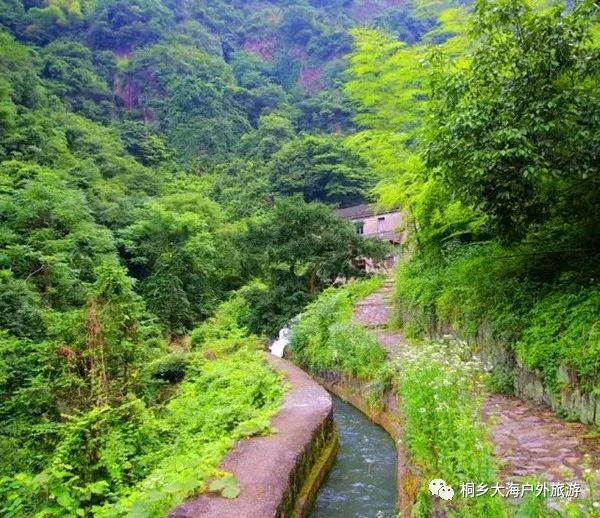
(374, 225)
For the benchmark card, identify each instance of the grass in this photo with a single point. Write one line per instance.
(440, 390)
(325, 339)
(144, 457)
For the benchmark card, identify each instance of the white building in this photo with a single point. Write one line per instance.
(376, 224)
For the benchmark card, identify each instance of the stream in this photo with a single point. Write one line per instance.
(362, 482)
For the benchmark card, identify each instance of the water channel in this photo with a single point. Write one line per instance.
(362, 482)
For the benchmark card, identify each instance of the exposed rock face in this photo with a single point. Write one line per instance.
(529, 385)
(311, 79)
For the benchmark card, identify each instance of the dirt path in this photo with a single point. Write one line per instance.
(529, 439)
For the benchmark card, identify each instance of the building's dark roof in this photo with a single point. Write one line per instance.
(358, 211)
(361, 211)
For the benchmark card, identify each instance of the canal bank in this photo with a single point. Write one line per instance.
(278, 474)
(388, 417)
(362, 481)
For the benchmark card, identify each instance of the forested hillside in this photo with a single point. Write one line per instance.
(168, 171)
(160, 162)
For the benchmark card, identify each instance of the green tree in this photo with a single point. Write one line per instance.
(69, 68)
(180, 256)
(50, 238)
(390, 82)
(54, 19)
(194, 96)
(321, 169)
(303, 247)
(114, 348)
(147, 147)
(516, 133)
(273, 131)
(122, 26)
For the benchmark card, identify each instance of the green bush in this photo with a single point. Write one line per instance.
(351, 349)
(471, 285)
(440, 394)
(170, 369)
(223, 401)
(227, 322)
(501, 381)
(324, 339)
(133, 460)
(227, 330)
(416, 289)
(564, 327)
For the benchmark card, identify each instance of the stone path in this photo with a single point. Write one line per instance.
(374, 312)
(529, 439)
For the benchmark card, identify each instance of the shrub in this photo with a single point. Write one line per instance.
(222, 401)
(564, 327)
(324, 339)
(227, 322)
(170, 369)
(440, 394)
(226, 330)
(501, 381)
(132, 460)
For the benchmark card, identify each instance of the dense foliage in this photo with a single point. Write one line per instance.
(486, 131)
(140, 459)
(172, 166)
(164, 166)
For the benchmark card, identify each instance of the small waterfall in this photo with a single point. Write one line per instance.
(278, 345)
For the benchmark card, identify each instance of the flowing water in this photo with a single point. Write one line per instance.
(362, 482)
(279, 344)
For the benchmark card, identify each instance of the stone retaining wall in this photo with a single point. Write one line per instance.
(355, 392)
(278, 474)
(528, 384)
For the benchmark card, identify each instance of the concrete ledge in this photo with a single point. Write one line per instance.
(280, 473)
(355, 392)
(310, 488)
